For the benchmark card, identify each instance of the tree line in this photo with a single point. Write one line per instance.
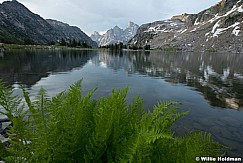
(74, 43)
(120, 46)
(28, 41)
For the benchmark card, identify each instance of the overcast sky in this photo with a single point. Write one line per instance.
(101, 15)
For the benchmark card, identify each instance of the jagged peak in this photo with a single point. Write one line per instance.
(130, 24)
(116, 27)
(95, 32)
(116, 34)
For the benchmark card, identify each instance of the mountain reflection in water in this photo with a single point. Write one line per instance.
(207, 84)
(219, 77)
(29, 66)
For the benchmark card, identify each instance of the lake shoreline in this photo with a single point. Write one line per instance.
(4, 46)
(209, 85)
(54, 47)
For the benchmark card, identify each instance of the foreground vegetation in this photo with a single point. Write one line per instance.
(74, 128)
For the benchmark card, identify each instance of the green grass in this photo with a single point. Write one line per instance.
(18, 46)
(74, 128)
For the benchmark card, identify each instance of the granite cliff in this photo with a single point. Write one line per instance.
(19, 25)
(115, 35)
(218, 28)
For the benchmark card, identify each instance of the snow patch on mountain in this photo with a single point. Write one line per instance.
(234, 9)
(165, 26)
(217, 28)
(236, 31)
(216, 31)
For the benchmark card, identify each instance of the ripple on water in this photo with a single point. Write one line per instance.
(206, 122)
(236, 147)
(229, 121)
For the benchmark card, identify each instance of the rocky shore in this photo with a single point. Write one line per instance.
(4, 123)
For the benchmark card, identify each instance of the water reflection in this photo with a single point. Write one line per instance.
(195, 79)
(219, 77)
(29, 66)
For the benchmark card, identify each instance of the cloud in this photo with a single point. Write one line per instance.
(93, 15)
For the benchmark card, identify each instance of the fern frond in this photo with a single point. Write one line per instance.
(9, 102)
(71, 127)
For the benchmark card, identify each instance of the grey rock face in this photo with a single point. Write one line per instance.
(21, 23)
(112, 36)
(71, 32)
(96, 37)
(157, 33)
(18, 23)
(218, 28)
(116, 35)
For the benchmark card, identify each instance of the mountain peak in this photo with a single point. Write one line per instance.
(116, 35)
(130, 24)
(218, 28)
(13, 2)
(21, 26)
(116, 27)
(95, 32)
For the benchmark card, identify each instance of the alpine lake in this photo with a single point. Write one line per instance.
(209, 85)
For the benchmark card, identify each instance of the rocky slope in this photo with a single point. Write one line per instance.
(96, 36)
(115, 35)
(71, 32)
(19, 25)
(218, 28)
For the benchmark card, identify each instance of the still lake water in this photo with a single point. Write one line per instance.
(210, 86)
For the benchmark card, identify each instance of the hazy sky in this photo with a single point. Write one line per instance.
(101, 15)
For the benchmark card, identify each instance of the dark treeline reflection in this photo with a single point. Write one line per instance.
(153, 75)
(29, 66)
(219, 77)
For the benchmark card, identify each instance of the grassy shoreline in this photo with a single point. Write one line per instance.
(59, 47)
(51, 47)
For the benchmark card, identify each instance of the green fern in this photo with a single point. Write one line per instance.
(74, 128)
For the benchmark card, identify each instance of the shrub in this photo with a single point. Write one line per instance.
(74, 128)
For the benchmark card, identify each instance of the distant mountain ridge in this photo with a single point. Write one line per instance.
(19, 25)
(218, 28)
(115, 35)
